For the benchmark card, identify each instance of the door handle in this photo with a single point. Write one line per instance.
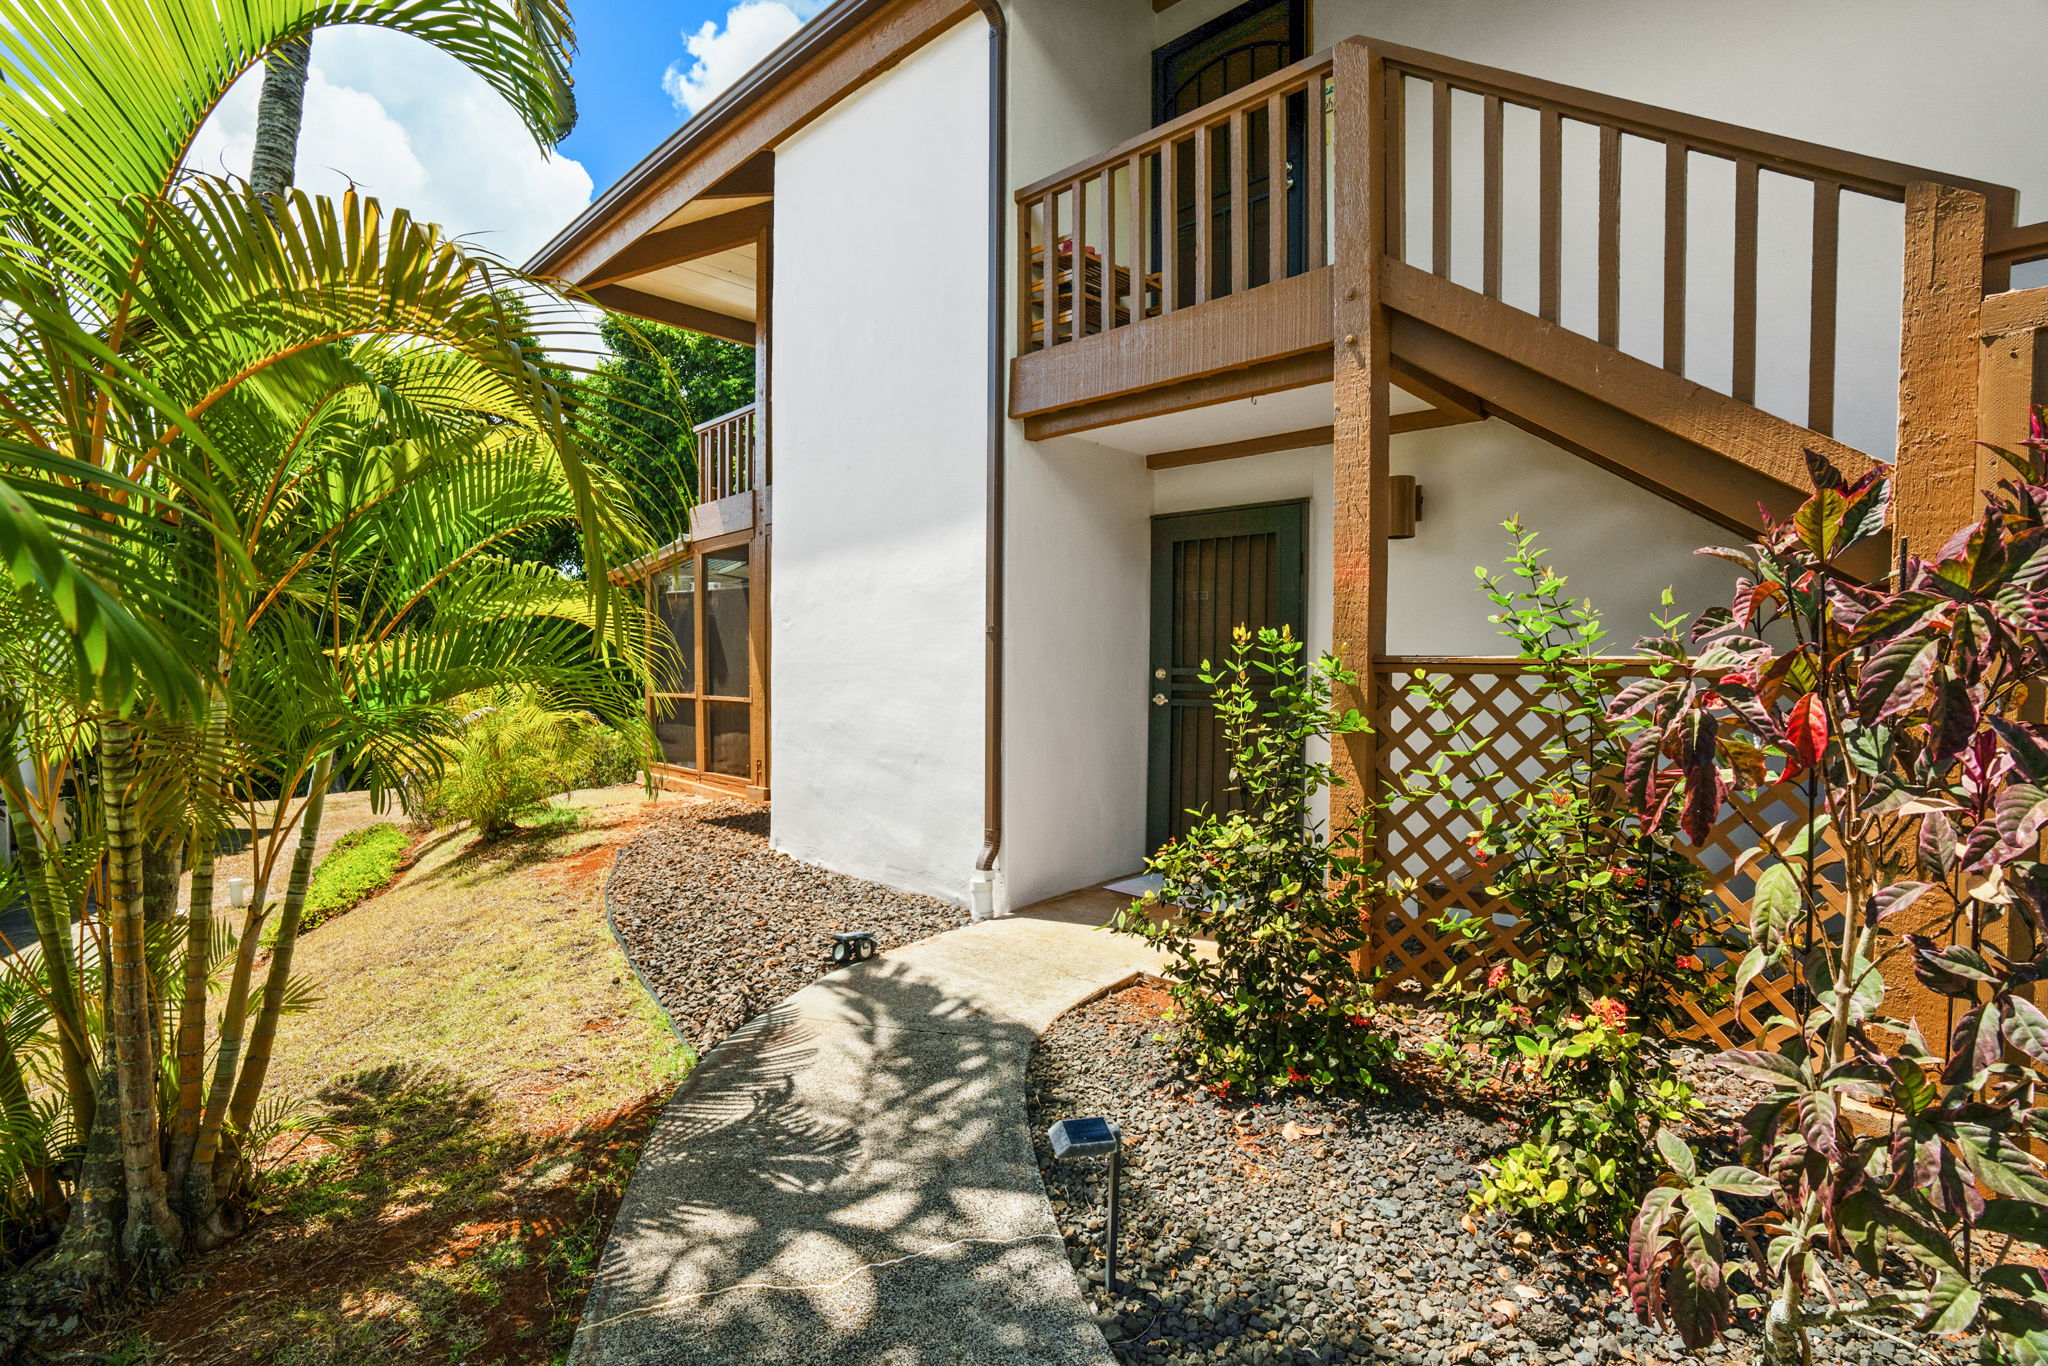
(1159, 699)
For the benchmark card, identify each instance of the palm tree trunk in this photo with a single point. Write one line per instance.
(60, 967)
(264, 1035)
(152, 1229)
(234, 1018)
(192, 1019)
(279, 111)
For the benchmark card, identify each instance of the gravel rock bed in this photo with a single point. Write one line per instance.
(1322, 1231)
(723, 927)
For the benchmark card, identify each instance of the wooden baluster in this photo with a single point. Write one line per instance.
(1204, 208)
(1240, 202)
(1676, 165)
(1079, 256)
(1112, 283)
(1395, 94)
(1315, 158)
(1135, 173)
(1440, 179)
(1550, 213)
(1490, 202)
(1025, 304)
(1820, 360)
(1055, 272)
(1610, 235)
(1742, 383)
(1169, 227)
(1279, 188)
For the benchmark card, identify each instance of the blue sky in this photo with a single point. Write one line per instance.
(399, 120)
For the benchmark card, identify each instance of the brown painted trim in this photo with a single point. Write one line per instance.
(692, 783)
(685, 242)
(829, 58)
(1232, 450)
(689, 317)
(2015, 311)
(1761, 441)
(752, 178)
(1271, 322)
(1291, 372)
(2015, 246)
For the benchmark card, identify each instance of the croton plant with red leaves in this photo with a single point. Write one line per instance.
(1908, 710)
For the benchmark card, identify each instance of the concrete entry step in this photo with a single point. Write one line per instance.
(848, 1180)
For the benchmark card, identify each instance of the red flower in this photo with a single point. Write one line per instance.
(1498, 975)
(1561, 798)
(1295, 1076)
(1361, 1021)
(1221, 1090)
(1611, 1011)
(1690, 962)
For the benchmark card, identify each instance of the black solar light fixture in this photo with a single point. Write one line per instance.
(1095, 1137)
(855, 946)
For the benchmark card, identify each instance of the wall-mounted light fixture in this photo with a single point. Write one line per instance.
(1094, 1137)
(1404, 498)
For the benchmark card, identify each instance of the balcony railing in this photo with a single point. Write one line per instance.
(1227, 198)
(725, 454)
(1757, 266)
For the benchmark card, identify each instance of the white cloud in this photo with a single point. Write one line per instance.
(412, 126)
(721, 55)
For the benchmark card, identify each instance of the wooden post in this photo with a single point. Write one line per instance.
(1362, 407)
(1935, 488)
(760, 470)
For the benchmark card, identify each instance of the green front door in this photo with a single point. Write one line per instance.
(1211, 573)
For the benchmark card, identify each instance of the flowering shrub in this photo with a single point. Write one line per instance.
(1275, 1001)
(1909, 711)
(1612, 919)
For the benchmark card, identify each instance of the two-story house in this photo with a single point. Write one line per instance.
(1091, 328)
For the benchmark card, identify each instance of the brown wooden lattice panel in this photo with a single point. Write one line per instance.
(1424, 839)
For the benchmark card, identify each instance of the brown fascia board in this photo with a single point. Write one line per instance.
(810, 40)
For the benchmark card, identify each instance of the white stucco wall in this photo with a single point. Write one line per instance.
(880, 335)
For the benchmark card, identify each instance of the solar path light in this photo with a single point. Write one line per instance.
(1094, 1137)
(856, 946)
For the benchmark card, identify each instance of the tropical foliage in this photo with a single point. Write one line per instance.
(262, 461)
(513, 752)
(1907, 711)
(358, 865)
(1275, 1000)
(1611, 916)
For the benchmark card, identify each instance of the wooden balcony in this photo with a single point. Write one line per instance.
(731, 471)
(1666, 294)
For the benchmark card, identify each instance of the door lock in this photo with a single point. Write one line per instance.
(1159, 674)
(1159, 699)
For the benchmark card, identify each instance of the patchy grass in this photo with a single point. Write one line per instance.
(484, 1069)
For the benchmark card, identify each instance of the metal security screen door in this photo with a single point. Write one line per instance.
(1211, 572)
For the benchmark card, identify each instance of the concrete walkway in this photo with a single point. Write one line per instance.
(848, 1178)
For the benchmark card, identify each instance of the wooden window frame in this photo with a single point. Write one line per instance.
(754, 784)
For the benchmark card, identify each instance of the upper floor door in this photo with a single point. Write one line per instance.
(1217, 59)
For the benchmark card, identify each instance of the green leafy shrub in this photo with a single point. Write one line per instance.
(612, 756)
(1276, 1001)
(360, 863)
(511, 754)
(1613, 919)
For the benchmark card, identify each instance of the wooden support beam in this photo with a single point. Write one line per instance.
(751, 179)
(1232, 450)
(1362, 404)
(1253, 381)
(685, 242)
(1935, 489)
(1706, 419)
(689, 317)
(2012, 379)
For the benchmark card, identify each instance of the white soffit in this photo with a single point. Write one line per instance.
(1242, 419)
(723, 282)
(699, 209)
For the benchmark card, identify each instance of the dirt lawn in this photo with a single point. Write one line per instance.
(476, 1081)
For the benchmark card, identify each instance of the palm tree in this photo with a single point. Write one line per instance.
(257, 454)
